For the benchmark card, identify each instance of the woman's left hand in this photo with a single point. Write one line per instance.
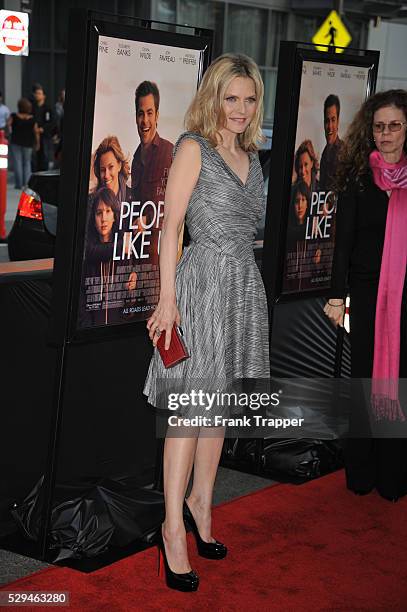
(162, 321)
(335, 311)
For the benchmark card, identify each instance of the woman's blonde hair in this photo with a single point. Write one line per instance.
(205, 115)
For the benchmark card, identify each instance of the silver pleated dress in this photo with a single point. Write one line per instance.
(219, 289)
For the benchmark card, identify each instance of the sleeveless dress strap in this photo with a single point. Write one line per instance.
(203, 143)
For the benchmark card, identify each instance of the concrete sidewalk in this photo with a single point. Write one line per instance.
(13, 197)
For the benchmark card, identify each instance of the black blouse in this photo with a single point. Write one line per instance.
(22, 131)
(360, 228)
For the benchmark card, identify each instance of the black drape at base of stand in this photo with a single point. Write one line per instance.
(107, 435)
(92, 515)
(27, 377)
(303, 345)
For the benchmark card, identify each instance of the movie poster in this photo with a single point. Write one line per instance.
(330, 95)
(142, 93)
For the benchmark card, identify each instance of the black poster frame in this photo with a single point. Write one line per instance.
(85, 29)
(291, 58)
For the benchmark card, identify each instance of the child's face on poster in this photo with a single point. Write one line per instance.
(300, 207)
(104, 219)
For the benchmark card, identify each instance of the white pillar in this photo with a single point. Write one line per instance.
(12, 68)
(391, 40)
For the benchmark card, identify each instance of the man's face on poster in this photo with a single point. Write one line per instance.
(147, 119)
(331, 124)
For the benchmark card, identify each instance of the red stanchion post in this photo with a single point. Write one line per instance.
(3, 183)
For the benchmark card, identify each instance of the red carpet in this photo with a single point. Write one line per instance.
(292, 548)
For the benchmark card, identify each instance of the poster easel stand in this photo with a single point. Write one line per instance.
(297, 59)
(85, 31)
(50, 471)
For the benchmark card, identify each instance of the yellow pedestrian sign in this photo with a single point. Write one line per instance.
(333, 33)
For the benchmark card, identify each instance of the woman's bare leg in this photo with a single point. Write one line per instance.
(206, 463)
(178, 460)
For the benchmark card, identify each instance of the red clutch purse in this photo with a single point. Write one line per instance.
(177, 351)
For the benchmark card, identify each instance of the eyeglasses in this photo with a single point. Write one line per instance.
(394, 126)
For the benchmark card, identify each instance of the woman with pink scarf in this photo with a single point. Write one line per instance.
(370, 257)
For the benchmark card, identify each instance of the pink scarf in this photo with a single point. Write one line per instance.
(386, 362)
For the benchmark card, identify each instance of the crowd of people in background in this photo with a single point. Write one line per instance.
(34, 133)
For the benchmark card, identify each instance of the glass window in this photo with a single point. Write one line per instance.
(37, 69)
(141, 8)
(247, 32)
(62, 10)
(164, 10)
(62, 24)
(356, 31)
(277, 33)
(270, 82)
(305, 28)
(60, 72)
(205, 15)
(40, 37)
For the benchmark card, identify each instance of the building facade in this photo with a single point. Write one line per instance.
(254, 27)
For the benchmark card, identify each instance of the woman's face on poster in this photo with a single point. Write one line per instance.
(305, 168)
(104, 219)
(300, 207)
(109, 170)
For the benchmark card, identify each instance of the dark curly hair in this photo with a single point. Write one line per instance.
(353, 162)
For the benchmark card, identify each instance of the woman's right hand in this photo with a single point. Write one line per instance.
(335, 311)
(163, 320)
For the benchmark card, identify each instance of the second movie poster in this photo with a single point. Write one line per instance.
(142, 93)
(330, 95)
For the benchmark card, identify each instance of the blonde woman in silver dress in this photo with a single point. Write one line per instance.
(215, 292)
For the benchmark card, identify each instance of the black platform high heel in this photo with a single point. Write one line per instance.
(209, 550)
(180, 582)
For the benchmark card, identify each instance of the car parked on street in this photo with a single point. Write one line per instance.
(33, 233)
